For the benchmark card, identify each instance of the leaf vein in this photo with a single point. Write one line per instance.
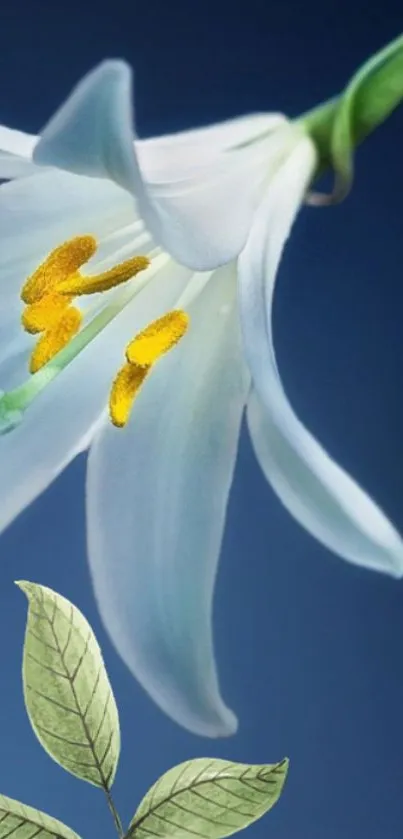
(68, 639)
(60, 737)
(82, 656)
(94, 690)
(202, 817)
(104, 712)
(107, 749)
(6, 815)
(244, 798)
(248, 783)
(45, 643)
(227, 807)
(177, 826)
(52, 701)
(13, 829)
(35, 833)
(45, 666)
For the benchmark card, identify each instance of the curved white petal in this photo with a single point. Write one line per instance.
(17, 142)
(58, 423)
(174, 157)
(91, 134)
(321, 495)
(201, 214)
(16, 149)
(316, 491)
(157, 494)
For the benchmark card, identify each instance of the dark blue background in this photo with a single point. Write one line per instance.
(310, 649)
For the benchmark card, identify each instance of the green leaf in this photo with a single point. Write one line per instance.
(67, 693)
(26, 823)
(208, 798)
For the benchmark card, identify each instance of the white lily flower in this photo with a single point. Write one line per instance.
(211, 209)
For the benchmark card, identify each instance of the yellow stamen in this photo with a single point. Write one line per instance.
(124, 391)
(49, 292)
(158, 338)
(60, 264)
(45, 313)
(54, 339)
(146, 348)
(78, 284)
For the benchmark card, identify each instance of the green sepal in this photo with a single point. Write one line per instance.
(339, 125)
(369, 98)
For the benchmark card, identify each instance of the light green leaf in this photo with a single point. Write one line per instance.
(67, 693)
(208, 798)
(26, 823)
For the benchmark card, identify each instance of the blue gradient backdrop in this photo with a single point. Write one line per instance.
(310, 649)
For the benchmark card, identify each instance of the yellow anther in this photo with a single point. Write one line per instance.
(158, 338)
(78, 284)
(48, 294)
(124, 391)
(60, 264)
(45, 313)
(54, 339)
(147, 347)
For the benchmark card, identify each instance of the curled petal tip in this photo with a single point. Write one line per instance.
(114, 65)
(227, 726)
(396, 569)
(219, 722)
(109, 70)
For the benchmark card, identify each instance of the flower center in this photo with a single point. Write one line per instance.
(50, 290)
(50, 313)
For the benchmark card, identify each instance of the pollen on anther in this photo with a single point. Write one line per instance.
(124, 390)
(158, 338)
(60, 264)
(55, 339)
(141, 354)
(45, 313)
(79, 284)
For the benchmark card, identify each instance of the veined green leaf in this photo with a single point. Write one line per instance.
(208, 798)
(26, 823)
(67, 692)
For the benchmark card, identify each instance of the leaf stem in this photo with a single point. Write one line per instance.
(114, 812)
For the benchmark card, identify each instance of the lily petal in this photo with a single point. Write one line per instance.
(202, 214)
(61, 420)
(157, 495)
(174, 157)
(16, 149)
(315, 490)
